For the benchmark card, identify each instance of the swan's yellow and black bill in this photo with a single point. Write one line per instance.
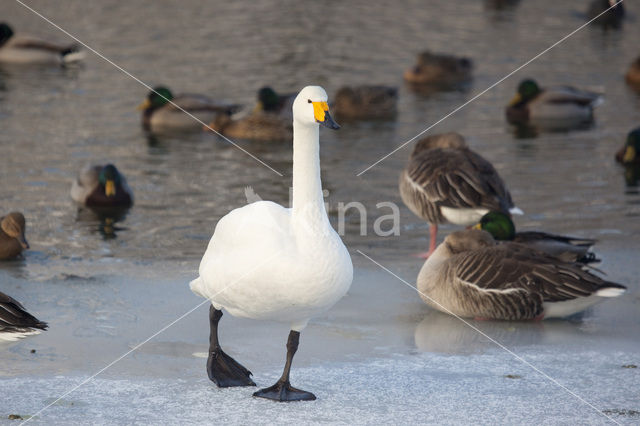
(629, 154)
(144, 105)
(515, 100)
(321, 113)
(110, 188)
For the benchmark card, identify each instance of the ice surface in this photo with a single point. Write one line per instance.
(380, 356)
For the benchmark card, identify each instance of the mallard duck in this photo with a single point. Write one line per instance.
(260, 126)
(438, 69)
(633, 75)
(15, 321)
(275, 103)
(469, 275)
(445, 181)
(101, 186)
(614, 16)
(567, 249)
(366, 102)
(160, 112)
(561, 105)
(268, 262)
(24, 49)
(630, 152)
(12, 239)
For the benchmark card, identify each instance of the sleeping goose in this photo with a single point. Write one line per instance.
(15, 321)
(445, 181)
(439, 70)
(160, 112)
(25, 49)
(275, 103)
(366, 102)
(268, 262)
(567, 249)
(563, 106)
(469, 275)
(629, 154)
(12, 239)
(102, 187)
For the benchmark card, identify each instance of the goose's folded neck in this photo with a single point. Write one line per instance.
(308, 205)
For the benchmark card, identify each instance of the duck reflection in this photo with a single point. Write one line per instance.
(103, 220)
(442, 333)
(632, 178)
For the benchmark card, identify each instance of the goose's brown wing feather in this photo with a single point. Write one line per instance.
(14, 315)
(512, 266)
(458, 178)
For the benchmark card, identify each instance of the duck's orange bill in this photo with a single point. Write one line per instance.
(516, 100)
(110, 188)
(144, 105)
(629, 154)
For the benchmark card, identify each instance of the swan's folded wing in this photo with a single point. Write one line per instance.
(511, 266)
(452, 178)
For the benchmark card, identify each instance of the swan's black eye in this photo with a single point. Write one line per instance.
(309, 100)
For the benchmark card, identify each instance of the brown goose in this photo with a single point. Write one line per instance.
(15, 321)
(12, 239)
(469, 275)
(366, 102)
(445, 181)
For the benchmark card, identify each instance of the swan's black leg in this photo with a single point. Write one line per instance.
(222, 369)
(282, 390)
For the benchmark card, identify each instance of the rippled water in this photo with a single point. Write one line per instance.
(54, 121)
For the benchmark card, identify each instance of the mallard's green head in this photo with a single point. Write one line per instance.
(499, 225)
(5, 32)
(527, 90)
(156, 98)
(268, 99)
(632, 146)
(109, 178)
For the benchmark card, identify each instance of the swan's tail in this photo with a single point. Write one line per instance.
(197, 286)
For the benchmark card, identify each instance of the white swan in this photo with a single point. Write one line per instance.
(268, 262)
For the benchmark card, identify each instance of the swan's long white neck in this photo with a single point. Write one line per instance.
(308, 204)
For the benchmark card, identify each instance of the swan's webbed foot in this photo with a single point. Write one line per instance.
(226, 372)
(283, 392)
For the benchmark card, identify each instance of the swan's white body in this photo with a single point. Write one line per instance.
(268, 262)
